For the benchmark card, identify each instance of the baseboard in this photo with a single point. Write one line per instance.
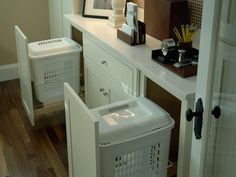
(9, 72)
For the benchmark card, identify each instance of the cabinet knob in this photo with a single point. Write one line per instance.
(101, 89)
(105, 93)
(103, 62)
(216, 112)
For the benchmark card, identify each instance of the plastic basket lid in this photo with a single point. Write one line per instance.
(40, 49)
(131, 118)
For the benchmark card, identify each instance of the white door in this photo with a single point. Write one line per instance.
(214, 155)
(82, 136)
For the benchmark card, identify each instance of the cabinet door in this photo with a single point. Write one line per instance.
(67, 6)
(100, 89)
(24, 73)
(96, 93)
(124, 75)
(82, 137)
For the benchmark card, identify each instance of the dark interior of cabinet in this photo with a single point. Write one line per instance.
(77, 36)
(173, 106)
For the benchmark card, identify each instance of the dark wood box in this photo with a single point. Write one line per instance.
(161, 16)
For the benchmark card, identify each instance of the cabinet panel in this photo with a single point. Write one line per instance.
(119, 71)
(95, 90)
(55, 17)
(99, 88)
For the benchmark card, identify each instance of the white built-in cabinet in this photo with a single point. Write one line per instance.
(116, 71)
(107, 79)
(55, 18)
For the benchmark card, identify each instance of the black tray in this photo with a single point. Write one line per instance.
(168, 61)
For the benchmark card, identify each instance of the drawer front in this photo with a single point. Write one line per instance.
(119, 72)
(94, 88)
(100, 89)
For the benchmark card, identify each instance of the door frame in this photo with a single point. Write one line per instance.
(211, 14)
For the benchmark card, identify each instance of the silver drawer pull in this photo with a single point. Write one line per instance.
(103, 62)
(105, 93)
(101, 89)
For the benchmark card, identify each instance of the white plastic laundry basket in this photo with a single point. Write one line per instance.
(54, 62)
(134, 139)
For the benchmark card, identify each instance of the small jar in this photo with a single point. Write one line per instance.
(167, 46)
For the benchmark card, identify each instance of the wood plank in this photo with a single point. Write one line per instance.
(51, 154)
(21, 144)
(27, 151)
(3, 166)
(14, 150)
(12, 165)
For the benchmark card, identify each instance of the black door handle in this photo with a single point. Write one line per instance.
(198, 118)
(216, 112)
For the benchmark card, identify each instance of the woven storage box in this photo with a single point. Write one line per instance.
(134, 139)
(54, 62)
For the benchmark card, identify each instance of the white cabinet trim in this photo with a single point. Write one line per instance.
(9, 72)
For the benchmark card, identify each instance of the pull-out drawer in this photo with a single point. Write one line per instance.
(110, 65)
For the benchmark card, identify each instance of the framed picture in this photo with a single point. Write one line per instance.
(97, 8)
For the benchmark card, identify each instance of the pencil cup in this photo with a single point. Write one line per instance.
(185, 45)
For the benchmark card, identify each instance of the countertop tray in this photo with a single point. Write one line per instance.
(182, 72)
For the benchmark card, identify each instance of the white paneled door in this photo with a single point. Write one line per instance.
(82, 136)
(214, 154)
(24, 73)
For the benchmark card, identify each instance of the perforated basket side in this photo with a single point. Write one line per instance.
(53, 91)
(140, 163)
(142, 157)
(54, 62)
(56, 71)
(56, 68)
(42, 49)
(48, 43)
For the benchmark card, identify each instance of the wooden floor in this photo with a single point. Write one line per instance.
(27, 151)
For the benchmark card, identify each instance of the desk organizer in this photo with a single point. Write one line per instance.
(127, 39)
(168, 63)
